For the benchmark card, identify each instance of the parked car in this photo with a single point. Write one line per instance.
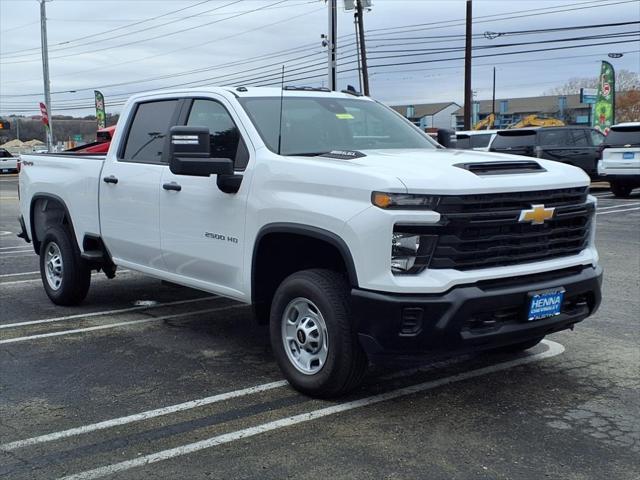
(351, 232)
(474, 139)
(8, 162)
(578, 146)
(620, 162)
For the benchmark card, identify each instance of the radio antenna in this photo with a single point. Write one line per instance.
(281, 104)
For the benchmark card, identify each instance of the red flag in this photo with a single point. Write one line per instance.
(45, 115)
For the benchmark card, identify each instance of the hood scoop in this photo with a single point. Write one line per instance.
(502, 167)
(344, 154)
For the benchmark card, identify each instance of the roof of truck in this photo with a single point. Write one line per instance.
(241, 91)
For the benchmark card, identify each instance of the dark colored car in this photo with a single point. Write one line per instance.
(577, 146)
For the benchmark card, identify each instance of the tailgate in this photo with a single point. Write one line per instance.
(621, 157)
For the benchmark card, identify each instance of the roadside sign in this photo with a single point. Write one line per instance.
(77, 137)
(588, 95)
(351, 4)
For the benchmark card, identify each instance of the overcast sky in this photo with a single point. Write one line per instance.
(93, 45)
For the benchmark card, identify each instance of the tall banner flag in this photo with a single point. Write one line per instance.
(100, 114)
(604, 111)
(44, 114)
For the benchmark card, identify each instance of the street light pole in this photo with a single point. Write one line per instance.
(467, 69)
(332, 43)
(363, 50)
(45, 71)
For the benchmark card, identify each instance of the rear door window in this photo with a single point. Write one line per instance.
(579, 138)
(150, 126)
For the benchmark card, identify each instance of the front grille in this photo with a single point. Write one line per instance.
(482, 231)
(489, 202)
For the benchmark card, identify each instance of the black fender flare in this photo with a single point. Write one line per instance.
(308, 231)
(57, 199)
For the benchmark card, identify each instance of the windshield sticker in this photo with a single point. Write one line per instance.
(344, 116)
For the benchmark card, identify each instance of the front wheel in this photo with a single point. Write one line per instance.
(620, 190)
(312, 334)
(65, 276)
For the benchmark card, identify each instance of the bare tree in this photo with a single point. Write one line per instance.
(626, 80)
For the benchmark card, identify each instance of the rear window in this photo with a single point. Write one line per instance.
(514, 139)
(620, 136)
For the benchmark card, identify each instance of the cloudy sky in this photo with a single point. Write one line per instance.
(414, 46)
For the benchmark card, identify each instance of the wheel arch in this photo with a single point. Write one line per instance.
(270, 255)
(54, 211)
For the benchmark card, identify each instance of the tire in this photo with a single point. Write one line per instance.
(519, 347)
(65, 275)
(316, 302)
(621, 190)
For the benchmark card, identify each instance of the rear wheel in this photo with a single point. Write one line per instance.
(621, 190)
(312, 335)
(65, 275)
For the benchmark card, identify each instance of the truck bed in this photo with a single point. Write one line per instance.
(73, 178)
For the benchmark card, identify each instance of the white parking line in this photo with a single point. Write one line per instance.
(618, 211)
(138, 417)
(114, 325)
(104, 312)
(19, 274)
(553, 350)
(619, 206)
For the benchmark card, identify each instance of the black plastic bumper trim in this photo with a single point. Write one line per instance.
(471, 317)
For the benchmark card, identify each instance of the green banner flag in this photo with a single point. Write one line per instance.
(604, 111)
(100, 114)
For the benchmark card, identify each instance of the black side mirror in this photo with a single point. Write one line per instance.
(446, 138)
(190, 153)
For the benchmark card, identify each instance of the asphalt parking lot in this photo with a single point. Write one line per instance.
(151, 380)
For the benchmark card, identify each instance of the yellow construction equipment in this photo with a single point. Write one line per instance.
(486, 123)
(536, 121)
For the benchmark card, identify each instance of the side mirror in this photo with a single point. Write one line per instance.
(189, 153)
(446, 138)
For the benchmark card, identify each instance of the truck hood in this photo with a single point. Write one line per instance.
(434, 171)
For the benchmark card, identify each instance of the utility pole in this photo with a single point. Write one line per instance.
(493, 98)
(332, 43)
(363, 50)
(45, 71)
(467, 69)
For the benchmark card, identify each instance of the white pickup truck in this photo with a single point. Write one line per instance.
(351, 232)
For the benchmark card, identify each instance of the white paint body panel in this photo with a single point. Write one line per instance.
(162, 233)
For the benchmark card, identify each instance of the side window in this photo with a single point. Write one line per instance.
(146, 137)
(554, 138)
(224, 136)
(579, 138)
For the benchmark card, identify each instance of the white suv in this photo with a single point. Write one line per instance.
(620, 160)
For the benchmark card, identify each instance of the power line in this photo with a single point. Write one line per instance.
(148, 39)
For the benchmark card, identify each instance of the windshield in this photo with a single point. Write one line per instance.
(316, 125)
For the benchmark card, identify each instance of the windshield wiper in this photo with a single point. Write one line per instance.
(307, 154)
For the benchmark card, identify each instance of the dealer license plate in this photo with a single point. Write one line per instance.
(627, 156)
(547, 303)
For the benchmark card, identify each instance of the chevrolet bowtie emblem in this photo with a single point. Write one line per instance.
(537, 215)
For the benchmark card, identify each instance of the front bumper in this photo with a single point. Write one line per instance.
(480, 316)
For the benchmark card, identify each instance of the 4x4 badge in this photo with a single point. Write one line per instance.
(537, 215)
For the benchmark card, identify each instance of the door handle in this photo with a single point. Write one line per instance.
(110, 179)
(172, 186)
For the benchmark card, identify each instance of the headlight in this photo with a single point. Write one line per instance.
(411, 252)
(405, 201)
